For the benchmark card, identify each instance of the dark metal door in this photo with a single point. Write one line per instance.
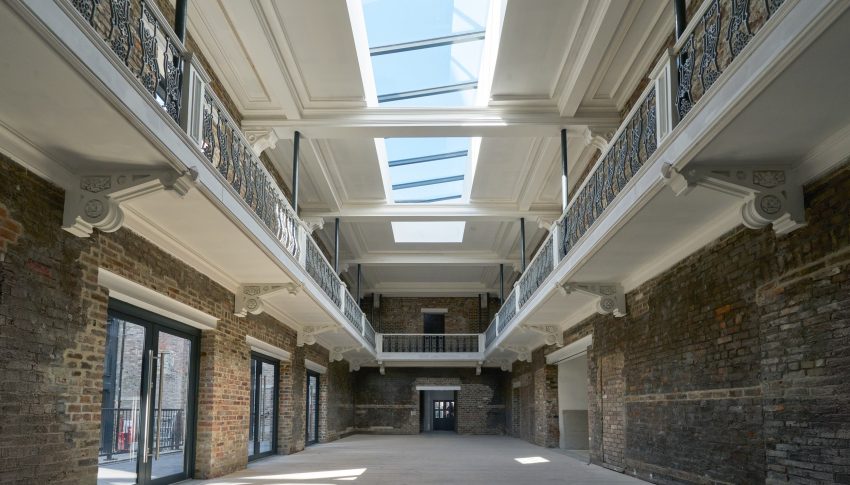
(444, 415)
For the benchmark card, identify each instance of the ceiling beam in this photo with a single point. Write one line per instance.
(427, 43)
(384, 211)
(456, 258)
(430, 122)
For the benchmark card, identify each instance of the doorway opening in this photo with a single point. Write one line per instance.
(312, 408)
(149, 395)
(438, 410)
(262, 436)
(572, 403)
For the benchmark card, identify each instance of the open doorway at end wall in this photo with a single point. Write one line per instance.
(438, 411)
(572, 403)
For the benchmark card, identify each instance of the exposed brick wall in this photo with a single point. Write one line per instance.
(340, 406)
(404, 314)
(52, 322)
(390, 403)
(534, 407)
(731, 366)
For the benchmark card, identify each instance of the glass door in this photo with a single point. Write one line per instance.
(312, 407)
(262, 436)
(148, 399)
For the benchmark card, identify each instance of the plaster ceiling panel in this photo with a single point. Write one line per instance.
(535, 38)
(231, 37)
(502, 169)
(353, 166)
(281, 157)
(385, 276)
(635, 48)
(320, 37)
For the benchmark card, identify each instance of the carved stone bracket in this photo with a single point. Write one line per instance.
(313, 223)
(249, 297)
(505, 364)
(553, 334)
(545, 223)
(96, 201)
(599, 137)
(307, 335)
(612, 299)
(478, 368)
(770, 194)
(261, 139)
(337, 352)
(354, 365)
(381, 367)
(523, 354)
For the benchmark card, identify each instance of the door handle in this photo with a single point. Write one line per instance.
(161, 366)
(145, 442)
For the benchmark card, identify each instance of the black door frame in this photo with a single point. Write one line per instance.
(256, 408)
(318, 377)
(154, 324)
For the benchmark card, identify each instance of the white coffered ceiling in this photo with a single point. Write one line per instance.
(295, 65)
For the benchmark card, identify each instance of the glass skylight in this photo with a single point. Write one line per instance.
(428, 231)
(426, 54)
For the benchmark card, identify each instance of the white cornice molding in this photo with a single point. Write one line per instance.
(267, 349)
(315, 367)
(143, 297)
(494, 212)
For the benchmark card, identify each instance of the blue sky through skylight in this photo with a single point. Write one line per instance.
(411, 75)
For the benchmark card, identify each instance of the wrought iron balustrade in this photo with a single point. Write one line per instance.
(353, 313)
(632, 145)
(369, 333)
(140, 37)
(430, 343)
(120, 431)
(491, 333)
(718, 32)
(322, 272)
(537, 272)
(230, 153)
(507, 312)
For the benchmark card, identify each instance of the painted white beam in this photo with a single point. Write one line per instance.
(456, 258)
(494, 212)
(383, 122)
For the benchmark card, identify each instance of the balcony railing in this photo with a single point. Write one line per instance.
(142, 40)
(713, 39)
(718, 32)
(430, 343)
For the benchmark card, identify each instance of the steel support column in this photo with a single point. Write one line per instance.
(336, 246)
(565, 195)
(522, 242)
(180, 19)
(296, 142)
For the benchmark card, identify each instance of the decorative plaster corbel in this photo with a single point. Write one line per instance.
(96, 201)
(523, 354)
(770, 195)
(612, 299)
(248, 297)
(545, 223)
(307, 335)
(313, 224)
(353, 365)
(337, 352)
(261, 139)
(553, 335)
(506, 365)
(598, 137)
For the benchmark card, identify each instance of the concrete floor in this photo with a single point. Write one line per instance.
(432, 458)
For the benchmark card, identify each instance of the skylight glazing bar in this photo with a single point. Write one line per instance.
(428, 158)
(418, 93)
(425, 201)
(422, 183)
(427, 43)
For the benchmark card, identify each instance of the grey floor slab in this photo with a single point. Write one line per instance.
(433, 458)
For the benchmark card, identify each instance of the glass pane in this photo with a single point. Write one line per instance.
(427, 68)
(170, 405)
(266, 407)
(393, 22)
(428, 170)
(312, 407)
(122, 388)
(429, 192)
(253, 420)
